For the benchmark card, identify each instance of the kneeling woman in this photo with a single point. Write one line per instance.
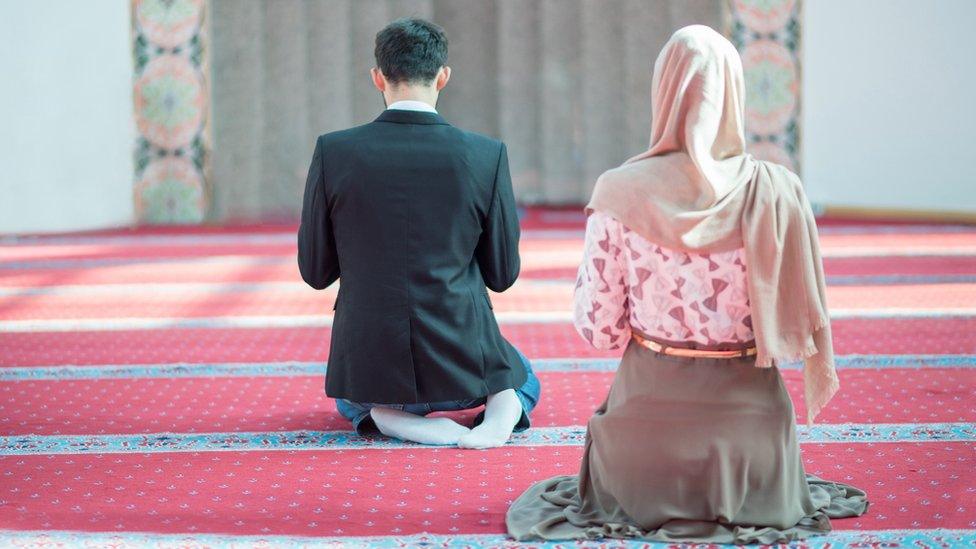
(704, 263)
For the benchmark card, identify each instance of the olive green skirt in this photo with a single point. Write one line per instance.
(688, 449)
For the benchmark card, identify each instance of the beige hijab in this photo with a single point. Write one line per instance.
(697, 190)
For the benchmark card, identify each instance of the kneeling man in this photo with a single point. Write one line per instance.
(416, 217)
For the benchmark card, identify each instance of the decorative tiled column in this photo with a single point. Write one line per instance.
(767, 35)
(172, 105)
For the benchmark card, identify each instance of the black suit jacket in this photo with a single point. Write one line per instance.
(416, 217)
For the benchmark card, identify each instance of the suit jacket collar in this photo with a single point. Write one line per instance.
(411, 117)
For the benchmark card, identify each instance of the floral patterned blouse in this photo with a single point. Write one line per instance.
(626, 282)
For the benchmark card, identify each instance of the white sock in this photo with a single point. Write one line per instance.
(425, 430)
(502, 412)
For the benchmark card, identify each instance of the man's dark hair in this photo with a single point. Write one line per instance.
(411, 50)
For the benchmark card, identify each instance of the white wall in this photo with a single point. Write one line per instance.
(889, 103)
(66, 129)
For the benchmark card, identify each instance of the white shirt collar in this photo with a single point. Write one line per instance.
(410, 105)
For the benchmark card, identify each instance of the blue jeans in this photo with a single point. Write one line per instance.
(358, 412)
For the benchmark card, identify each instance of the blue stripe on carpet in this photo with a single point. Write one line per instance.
(349, 440)
(126, 540)
(325, 321)
(285, 369)
(182, 288)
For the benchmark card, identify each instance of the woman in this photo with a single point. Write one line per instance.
(704, 264)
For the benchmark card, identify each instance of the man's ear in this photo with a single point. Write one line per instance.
(378, 79)
(443, 76)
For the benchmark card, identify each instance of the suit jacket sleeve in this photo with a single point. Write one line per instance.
(318, 261)
(497, 252)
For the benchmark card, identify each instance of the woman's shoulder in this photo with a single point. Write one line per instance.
(781, 176)
(599, 219)
(663, 166)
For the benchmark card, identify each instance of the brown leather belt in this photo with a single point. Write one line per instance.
(696, 353)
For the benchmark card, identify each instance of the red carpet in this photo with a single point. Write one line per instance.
(526, 297)
(292, 403)
(852, 336)
(117, 346)
(377, 492)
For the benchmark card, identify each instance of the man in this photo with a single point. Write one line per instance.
(416, 217)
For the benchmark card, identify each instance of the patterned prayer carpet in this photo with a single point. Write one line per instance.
(164, 388)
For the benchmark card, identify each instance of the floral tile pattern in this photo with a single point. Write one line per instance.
(767, 35)
(171, 99)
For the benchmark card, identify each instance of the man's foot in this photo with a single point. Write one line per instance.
(425, 430)
(502, 412)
